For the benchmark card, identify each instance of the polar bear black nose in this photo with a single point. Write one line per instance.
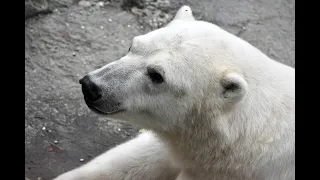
(90, 90)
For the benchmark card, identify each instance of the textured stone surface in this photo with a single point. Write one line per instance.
(73, 38)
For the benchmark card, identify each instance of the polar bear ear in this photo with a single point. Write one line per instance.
(184, 13)
(234, 86)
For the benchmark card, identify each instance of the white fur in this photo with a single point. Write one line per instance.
(130, 160)
(224, 111)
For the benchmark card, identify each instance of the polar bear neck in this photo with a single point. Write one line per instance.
(247, 130)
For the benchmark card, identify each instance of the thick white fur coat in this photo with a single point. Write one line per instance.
(226, 111)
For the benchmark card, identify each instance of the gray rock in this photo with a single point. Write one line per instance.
(35, 7)
(58, 53)
(84, 3)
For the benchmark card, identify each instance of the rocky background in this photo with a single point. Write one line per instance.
(65, 39)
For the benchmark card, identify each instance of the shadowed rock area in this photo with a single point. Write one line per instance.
(65, 39)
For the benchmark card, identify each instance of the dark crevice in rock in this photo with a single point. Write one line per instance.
(36, 7)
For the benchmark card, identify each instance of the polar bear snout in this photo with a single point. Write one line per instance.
(90, 90)
(100, 96)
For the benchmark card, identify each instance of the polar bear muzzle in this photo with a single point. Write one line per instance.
(93, 96)
(90, 90)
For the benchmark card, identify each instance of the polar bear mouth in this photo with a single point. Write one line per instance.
(98, 111)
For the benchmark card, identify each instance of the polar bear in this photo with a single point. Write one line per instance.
(215, 106)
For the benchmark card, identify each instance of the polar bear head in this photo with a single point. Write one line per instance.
(171, 76)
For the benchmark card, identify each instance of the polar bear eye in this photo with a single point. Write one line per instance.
(129, 48)
(155, 76)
